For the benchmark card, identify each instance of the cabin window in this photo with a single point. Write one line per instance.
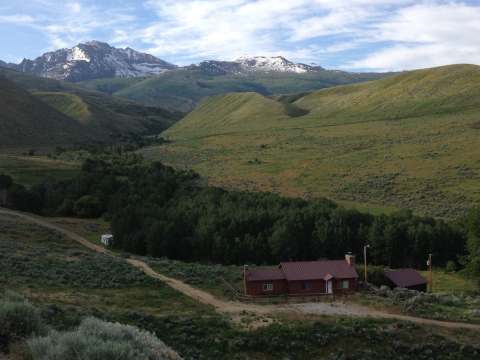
(345, 284)
(267, 286)
(307, 285)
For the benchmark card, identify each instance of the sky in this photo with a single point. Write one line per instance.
(354, 35)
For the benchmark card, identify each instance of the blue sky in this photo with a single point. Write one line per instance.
(356, 35)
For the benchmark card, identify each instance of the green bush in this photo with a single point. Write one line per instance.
(66, 208)
(88, 206)
(451, 267)
(376, 274)
(98, 340)
(18, 320)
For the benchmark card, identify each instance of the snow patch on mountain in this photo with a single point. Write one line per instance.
(93, 60)
(245, 65)
(274, 63)
(77, 54)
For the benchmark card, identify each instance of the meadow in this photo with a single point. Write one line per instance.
(407, 142)
(31, 170)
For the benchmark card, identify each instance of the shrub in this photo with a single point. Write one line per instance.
(18, 319)
(451, 267)
(66, 208)
(376, 274)
(5, 181)
(88, 206)
(97, 340)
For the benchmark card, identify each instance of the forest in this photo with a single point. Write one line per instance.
(158, 211)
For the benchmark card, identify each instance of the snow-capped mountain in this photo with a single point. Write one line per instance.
(246, 65)
(214, 67)
(275, 63)
(93, 60)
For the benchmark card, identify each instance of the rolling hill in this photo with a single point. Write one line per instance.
(406, 141)
(148, 80)
(97, 116)
(182, 89)
(69, 104)
(28, 121)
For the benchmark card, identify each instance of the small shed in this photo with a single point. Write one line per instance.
(107, 240)
(406, 278)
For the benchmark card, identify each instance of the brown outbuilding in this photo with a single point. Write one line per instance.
(406, 278)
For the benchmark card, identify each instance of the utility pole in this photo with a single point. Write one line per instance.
(430, 274)
(365, 261)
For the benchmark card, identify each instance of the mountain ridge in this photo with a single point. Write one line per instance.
(95, 60)
(92, 60)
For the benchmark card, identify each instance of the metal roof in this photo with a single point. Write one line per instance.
(405, 277)
(314, 270)
(263, 275)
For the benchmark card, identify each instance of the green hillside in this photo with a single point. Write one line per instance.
(69, 104)
(96, 116)
(27, 121)
(408, 141)
(182, 89)
(448, 89)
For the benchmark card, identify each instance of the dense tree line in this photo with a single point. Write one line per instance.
(158, 211)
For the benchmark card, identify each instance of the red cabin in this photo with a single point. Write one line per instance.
(323, 277)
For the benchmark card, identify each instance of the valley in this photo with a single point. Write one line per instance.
(184, 88)
(200, 173)
(401, 142)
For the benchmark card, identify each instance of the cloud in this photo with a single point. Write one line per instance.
(18, 19)
(423, 36)
(226, 29)
(349, 34)
(69, 22)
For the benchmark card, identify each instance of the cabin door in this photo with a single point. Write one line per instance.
(329, 287)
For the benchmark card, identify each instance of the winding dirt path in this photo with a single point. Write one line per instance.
(235, 308)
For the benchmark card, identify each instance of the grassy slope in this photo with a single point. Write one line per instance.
(448, 89)
(100, 115)
(51, 268)
(183, 89)
(451, 282)
(24, 119)
(31, 170)
(407, 141)
(69, 104)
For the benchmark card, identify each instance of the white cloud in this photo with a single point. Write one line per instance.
(352, 34)
(18, 19)
(69, 22)
(226, 29)
(425, 35)
(75, 7)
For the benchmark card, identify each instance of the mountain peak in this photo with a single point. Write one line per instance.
(274, 63)
(92, 60)
(248, 64)
(96, 43)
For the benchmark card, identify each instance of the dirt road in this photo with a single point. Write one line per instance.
(237, 309)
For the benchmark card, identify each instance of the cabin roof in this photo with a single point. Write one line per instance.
(265, 274)
(314, 270)
(405, 277)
